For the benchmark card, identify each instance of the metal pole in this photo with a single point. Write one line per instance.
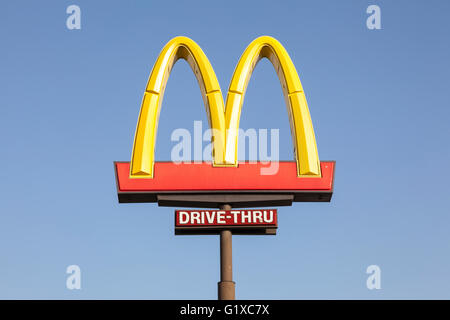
(226, 286)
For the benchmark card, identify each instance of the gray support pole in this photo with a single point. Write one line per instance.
(226, 286)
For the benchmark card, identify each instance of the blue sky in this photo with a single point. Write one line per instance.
(379, 101)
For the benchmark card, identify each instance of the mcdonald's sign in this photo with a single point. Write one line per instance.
(224, 180)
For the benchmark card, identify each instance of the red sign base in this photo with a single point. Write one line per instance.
(202, 185)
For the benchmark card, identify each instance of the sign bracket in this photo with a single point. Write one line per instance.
(217, 200)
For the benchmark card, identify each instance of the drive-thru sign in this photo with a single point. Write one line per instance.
(224, 182)
(262, 221)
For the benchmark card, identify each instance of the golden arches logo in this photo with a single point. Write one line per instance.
(224, 118)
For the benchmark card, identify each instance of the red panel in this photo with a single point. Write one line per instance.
(204, 177)
(205, 218)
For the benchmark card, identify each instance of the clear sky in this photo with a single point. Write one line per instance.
(69, 103)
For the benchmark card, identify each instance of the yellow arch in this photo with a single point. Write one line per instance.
(142, 159)
(302, 130)
(224, 121)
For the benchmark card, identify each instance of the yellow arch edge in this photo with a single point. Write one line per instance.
(303, 137)
(142, 158)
